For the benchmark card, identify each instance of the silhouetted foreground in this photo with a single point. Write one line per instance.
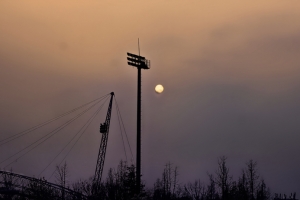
(120, 184)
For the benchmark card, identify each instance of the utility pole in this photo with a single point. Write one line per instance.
(140, 63)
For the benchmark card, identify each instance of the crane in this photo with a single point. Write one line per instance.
(104, 129)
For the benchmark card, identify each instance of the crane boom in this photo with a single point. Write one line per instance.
(104, 129)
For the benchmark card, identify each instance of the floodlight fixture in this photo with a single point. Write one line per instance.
(138, 61)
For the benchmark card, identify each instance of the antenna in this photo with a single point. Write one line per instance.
(139, 45)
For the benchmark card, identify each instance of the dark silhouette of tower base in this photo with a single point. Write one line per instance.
(140, 63)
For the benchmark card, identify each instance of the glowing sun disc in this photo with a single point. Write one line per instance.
(159, 89)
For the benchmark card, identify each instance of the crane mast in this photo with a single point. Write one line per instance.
(104, 129)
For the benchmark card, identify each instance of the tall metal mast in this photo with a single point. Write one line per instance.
(104, 129)
(140, 63)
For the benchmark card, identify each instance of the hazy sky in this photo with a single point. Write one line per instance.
(230, 70)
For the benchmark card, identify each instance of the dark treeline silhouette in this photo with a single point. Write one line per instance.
(120, 184)
(249, 186)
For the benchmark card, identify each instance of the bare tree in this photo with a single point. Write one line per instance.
(195, 190)
(263, 193)
(170, 180)
(175, 180)
(167, 187)
(252, 177)
(223, 180)
(243, 191)
(8, 183)
(61, 175)
(211, 188)
(84, 187)
(166, 178)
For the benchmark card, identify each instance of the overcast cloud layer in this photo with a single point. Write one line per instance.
(230, 71)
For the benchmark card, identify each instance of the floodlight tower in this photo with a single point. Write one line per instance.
(140, 63)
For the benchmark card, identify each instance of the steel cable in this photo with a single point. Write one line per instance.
(79, 137)
(50, 134)
(85, 125)
(119, 114)
(22, 133)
